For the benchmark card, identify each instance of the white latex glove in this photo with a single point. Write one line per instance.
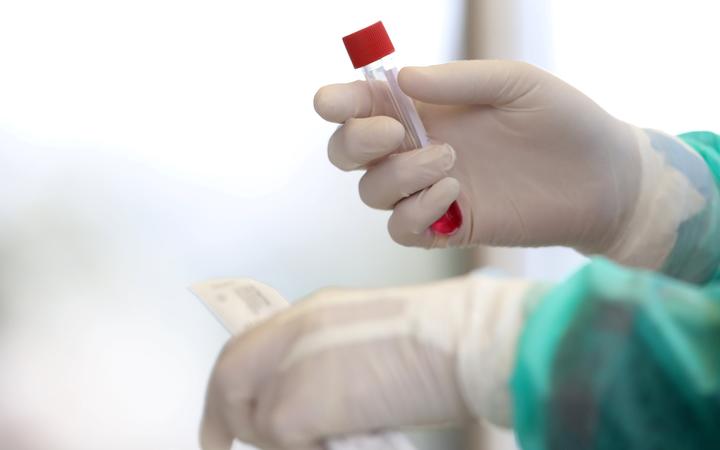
(355, 361)
(538, 163)
(531, 160)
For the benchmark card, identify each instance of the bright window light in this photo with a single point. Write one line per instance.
(651, 63)
(219, 92)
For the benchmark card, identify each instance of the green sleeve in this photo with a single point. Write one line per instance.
(708, 145)
(616, 358)
(696, 254)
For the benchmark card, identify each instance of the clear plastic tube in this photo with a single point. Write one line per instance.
(382, 77)
(370, 50)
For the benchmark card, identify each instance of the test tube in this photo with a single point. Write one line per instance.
(370, 50)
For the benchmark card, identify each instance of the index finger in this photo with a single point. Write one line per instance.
(340, 102)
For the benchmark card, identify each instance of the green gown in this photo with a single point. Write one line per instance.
(618, 358)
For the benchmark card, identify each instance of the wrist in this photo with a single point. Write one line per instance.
(487, 348)
(667, 198)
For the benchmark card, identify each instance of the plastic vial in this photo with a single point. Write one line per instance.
(370, 50)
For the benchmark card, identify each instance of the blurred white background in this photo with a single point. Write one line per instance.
(145, 145)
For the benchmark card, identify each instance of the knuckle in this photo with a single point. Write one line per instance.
(372, 138)
(408, 173)
(405, 174)
(391, 130)
(357, 138)
(282, 425)
(395, 167)
(381, 136)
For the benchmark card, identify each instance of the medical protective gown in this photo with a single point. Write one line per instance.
(616, 358)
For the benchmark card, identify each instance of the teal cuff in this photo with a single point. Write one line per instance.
(696, 255)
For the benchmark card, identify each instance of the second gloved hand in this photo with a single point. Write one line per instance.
(344, 362)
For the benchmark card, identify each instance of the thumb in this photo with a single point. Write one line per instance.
(480, 82)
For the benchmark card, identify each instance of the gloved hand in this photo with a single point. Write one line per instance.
(352, 361)
(531, 160)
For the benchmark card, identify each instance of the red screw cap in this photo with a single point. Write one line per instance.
(368, 45)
